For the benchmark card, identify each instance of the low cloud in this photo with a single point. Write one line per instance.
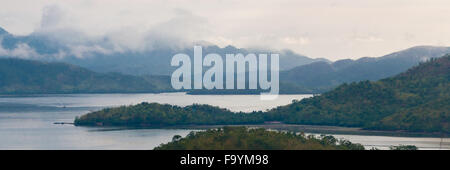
(179, 32)
(82, 51)
(21, 50)
(53, 17)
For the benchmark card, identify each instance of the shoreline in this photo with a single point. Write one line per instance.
(319, 129)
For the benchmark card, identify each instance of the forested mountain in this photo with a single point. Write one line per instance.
(416, 100)
(19, 76)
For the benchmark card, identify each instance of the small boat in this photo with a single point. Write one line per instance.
(62, 123)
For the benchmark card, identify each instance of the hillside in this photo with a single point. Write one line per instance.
(416, 100)
(241, 138)
(19, 76)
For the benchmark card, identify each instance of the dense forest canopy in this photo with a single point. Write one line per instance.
(416, 100)
(154, 114)
(242, 138)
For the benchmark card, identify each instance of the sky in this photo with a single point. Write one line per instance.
(332, 29)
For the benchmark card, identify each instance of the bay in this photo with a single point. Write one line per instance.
(26, 122)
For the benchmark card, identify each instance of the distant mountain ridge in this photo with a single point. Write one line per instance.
(319, 77)
(95, 54)
(299, 74)
(323, 76)
(18, 76)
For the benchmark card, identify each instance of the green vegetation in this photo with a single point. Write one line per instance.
(19, 76)
(243, 138)
(154, 114)
(417, 100)
(404, 147)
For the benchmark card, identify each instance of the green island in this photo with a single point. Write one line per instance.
(243, 138)
(157, 115)
(416, 100)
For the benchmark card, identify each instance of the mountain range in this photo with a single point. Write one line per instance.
(100, 54)
(319, 77)
(323, 76)
(299, 74)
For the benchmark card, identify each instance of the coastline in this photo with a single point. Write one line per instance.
(318, 129)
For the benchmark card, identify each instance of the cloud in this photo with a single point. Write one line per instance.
(295, 40)
(178, 32)
(56, 28)
(306, 27)
(57, 25)
(24, 51)
(82, 51)
(21, 50)
(52, 17)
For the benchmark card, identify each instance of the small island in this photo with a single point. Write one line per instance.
(242, 138)
(159, 115)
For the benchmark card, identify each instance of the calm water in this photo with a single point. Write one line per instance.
(26, 122)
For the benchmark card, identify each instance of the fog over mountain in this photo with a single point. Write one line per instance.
(102, 54)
